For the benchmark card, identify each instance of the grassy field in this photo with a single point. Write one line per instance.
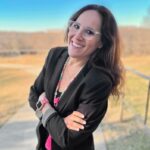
(136, 88)
(33, 60)
(14, 87)
(130, 134)
(15, 82)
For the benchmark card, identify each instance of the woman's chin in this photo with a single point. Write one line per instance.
(74, 55)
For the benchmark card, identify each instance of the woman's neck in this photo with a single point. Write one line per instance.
(77, 62)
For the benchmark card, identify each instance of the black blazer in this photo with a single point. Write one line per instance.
(88, 94)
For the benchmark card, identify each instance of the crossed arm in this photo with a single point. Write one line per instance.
(69, 130)
(74, 121)
(72, 129)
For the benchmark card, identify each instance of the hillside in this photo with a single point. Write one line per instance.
(13, 43)
(135, 41)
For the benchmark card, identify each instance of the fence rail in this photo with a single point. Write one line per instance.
(148, 92)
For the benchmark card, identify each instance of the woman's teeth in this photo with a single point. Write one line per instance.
(76, 45)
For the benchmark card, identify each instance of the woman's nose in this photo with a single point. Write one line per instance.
(79, 35)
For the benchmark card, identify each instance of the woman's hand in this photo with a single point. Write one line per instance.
(75, 121)
(43, 95)
(46, 106)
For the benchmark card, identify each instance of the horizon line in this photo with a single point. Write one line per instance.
(62, 29)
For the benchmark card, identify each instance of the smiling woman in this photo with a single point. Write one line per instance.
(70, 95)
(84, 36)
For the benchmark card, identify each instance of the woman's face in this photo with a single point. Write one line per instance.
(83, 35)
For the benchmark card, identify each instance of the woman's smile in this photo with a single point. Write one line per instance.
(76, 45)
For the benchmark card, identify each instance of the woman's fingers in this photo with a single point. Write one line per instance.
(78, 119)
(78, 114)
(72, 128)
(77, 125)
(75, 121)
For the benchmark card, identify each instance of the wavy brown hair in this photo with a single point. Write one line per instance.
(108, 57)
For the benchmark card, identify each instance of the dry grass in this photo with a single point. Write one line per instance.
(39, 41)
(33, 60)
(138, 62)
(124, 135)
(15, 83)
(135, 40)
(14, 87)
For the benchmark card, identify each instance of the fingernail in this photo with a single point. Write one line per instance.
(82, 116)
(82, 127)
(84, 122)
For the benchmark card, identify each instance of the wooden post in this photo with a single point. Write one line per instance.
(147, 104)
(121, 107)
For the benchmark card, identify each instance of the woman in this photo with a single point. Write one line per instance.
(71, 93)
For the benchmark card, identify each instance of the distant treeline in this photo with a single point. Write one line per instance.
(135, 41)
(16, 43)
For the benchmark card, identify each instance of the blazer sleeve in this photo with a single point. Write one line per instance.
(38, 87)
(93, 104)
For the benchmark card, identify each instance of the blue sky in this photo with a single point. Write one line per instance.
(42, 15)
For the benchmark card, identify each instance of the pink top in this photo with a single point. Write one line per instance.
(48, 143)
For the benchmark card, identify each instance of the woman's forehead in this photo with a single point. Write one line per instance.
(90, 18)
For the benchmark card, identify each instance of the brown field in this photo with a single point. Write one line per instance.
(14, 87)
(17, 75)
(37, 59)
(124, 134)
(38, 41)
(138, 62)
(135, 41)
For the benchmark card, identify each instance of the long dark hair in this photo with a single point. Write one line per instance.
(108, 56)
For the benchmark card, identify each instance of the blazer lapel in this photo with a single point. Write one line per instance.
(72, 88)
(53, 80)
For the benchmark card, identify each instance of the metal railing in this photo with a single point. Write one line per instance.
(148, 93)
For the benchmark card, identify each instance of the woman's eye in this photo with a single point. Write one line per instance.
(76, 26)
(89, 32)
